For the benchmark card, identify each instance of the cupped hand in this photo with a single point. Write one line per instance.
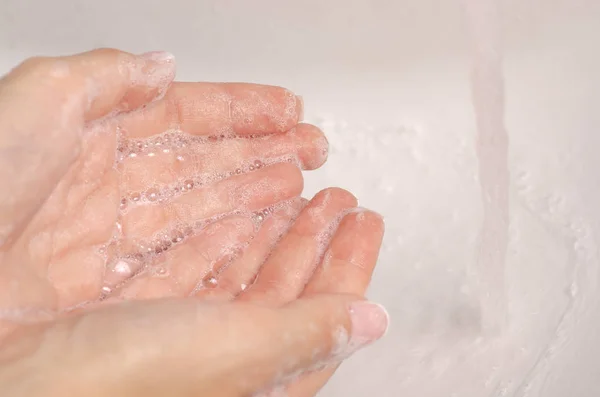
(124, 194)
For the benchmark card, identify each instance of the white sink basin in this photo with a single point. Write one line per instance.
(490, 266)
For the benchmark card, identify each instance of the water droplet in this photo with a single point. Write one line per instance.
(135, 197)
(152, 194)
(177, 237)
(260, 217)
(132, 155)
(180, 158)
(106, 290)
(209, 281)
(243, 287)
(258, 164)
(123, 203)
(188, 185)
(238, 171)
(251, 168)
(151, 154)
(161, 271)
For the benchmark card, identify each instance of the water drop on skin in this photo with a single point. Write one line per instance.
(189, 184)
(152, 194)
(209, 281)
(161, 271)
(177, 237)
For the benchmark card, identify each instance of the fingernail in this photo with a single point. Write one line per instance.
(300, 107)
(158, 56)
(369, 323)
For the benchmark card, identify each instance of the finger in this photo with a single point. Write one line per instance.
(246, 192)
(92, 84)
(190, 265)
(350, 260)
(284, 275)
(65, 92)
(346, 268)
(171, 158)
(184, 347)
(218, 109)
(237, 275)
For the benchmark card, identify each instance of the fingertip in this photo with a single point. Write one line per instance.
(367, 219)
(340, 195)
(314, 147)
(369, 322)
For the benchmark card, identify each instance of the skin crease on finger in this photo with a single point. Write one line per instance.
(108, 230)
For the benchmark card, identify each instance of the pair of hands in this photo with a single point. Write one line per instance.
(153, 241)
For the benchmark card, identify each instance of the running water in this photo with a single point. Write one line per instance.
(487, 274)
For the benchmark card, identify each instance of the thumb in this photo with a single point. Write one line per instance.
(309, 335)
(44, 105)
(189, 348)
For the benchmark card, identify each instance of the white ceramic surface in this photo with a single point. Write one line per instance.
(490, 263)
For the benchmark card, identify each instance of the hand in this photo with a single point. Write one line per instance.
(98, 208)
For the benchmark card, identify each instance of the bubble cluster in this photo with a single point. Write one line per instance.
(177, 142)
(165, 143)
(260, 216)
